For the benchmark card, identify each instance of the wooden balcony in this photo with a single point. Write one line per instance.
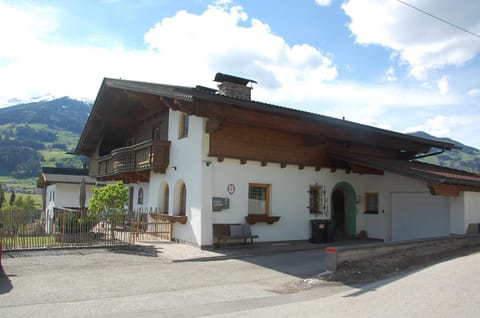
(134, 163)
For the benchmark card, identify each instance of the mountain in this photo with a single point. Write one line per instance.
(463, 157)
(40, 134)
(61, 113)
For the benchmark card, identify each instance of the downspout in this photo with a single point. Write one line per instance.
(430, 154)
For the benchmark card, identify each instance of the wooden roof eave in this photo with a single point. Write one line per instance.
(316, 118)
(313, 127)
(452, 190)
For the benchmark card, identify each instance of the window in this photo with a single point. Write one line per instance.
(318, 201)
(314, 199)
(371, 203)
(258, 199)
(140, 196)
(182, 209)
(183, 126)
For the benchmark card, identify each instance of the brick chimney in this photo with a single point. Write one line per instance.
(234, 86)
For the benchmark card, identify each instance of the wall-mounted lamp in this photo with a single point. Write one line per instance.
(207, 163)
(174, 168)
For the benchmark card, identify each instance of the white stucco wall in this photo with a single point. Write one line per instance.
(49, 197)
(457, 214)
(289, 199)
(185, 166)
(67, 195)
(472, 208)
(145, 206)
(465, 212)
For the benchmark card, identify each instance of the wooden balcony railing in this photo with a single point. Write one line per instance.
(145, 156)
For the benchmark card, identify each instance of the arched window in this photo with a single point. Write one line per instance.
(140, 196)
(182, 209)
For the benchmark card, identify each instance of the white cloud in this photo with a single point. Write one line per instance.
(390, 75)
(323, 2)
(437, 126)
(421, 41)
(222, 3)
(443, 86)
(475, 92)
(23, 29)
(464, 128)
(252, 51)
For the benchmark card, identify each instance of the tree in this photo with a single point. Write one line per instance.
(26, 203)
(25, 210)
(2, 196)
(12, 198)
(109, 202)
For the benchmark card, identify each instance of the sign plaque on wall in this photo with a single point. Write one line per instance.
(219, 204)
(231, 188)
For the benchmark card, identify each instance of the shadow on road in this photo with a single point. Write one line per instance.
(297, 258)
(5, 283)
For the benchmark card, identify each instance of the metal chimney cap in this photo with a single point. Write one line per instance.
(220, 77)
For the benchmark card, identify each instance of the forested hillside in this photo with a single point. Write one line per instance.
(40, 134)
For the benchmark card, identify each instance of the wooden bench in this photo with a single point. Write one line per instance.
(230, 232)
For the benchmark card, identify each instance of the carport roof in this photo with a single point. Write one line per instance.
(441, 180)
(63, 175)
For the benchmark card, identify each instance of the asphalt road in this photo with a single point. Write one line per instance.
(447, 289)
(133, 283)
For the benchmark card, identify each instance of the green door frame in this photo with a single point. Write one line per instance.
(350, 207)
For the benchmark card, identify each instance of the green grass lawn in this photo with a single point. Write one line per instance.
(9, 243)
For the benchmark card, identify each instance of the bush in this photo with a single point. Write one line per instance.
(74, 222)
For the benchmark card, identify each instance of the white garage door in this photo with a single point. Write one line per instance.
(419, 215)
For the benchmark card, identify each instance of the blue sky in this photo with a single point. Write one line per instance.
(377, 62)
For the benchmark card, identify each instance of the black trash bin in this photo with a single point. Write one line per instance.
(319, 231)
(330, 231)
